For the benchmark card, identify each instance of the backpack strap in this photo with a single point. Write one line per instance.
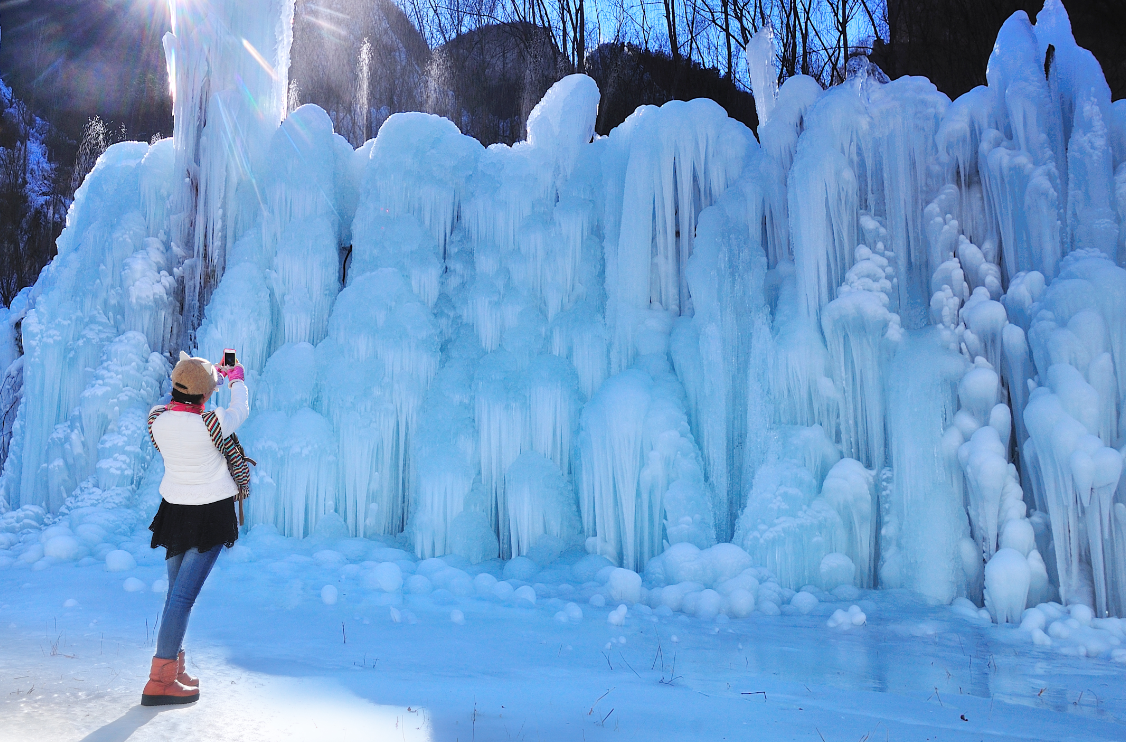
(238, 462)
(153, 415)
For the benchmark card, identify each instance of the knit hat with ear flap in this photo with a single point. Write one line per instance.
(194, 377)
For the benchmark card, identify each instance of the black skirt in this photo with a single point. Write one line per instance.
(179, 528)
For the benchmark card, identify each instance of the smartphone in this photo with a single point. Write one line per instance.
(229, 359)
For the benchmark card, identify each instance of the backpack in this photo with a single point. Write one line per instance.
(238, 463)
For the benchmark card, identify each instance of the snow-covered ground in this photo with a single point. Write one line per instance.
(278, 662)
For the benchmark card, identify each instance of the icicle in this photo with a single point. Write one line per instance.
(503, 431)
(106, 270)
(1075, 341)
(714, 351)
(306, 279)
(779, 134)
(860, 334)
(419, 165)
(297, 461)
(762, 71)
(445, 457)
(375, 367)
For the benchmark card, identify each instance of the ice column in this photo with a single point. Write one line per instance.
(779, 135)
(228, 66)
(501, 412)
(641, 478)
(962, 200)
(899, 149)
(667, 164)
(791, 523)
(720, 353)
(301, 222)
(445, 460)
(867, 146)
(823, 203)
(419, 165)
(924, 540)
(374, 369)
(540, 503)
(861, 334)
(1021, 170)
(295, 480)
(1077, 86)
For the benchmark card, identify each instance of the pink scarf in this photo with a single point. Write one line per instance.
(184, 407)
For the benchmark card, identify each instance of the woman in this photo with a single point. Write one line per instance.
(196, 517)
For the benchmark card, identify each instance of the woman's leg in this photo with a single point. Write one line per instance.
(190, 577)
(172, 564)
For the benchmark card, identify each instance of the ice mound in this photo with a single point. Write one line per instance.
(1073, 631)
(119, 561)
(1007, 577)
(804, 601)
(625, 585)
(687, 563)
(847, 619)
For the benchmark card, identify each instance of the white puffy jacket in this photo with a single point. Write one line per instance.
(195, 471)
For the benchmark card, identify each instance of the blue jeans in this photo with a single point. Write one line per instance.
(186, 575)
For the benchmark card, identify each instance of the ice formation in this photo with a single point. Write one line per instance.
(881, 344)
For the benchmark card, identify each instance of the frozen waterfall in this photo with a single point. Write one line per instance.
(883, 340)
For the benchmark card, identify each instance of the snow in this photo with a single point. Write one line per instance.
(355, 666)
(847, 619)
(119, 561)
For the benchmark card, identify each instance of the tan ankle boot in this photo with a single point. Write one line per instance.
(163, 688)
(182, 672)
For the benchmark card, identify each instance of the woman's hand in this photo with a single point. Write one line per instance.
(235, 373)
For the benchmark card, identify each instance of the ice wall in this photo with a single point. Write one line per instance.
(99, 317)
(884, 345)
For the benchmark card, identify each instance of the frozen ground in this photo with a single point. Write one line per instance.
(276, 662)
